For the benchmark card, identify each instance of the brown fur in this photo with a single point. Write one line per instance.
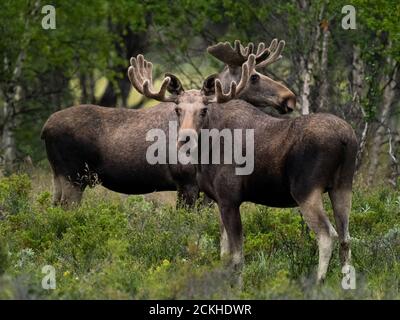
(296, 160)
(110, 143)
(261, 91)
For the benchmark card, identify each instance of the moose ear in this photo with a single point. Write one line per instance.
(175, 86)
(209, 85)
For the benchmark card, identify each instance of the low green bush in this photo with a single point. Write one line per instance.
(129, 248)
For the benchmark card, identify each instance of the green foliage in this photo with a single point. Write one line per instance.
(4, 261)
(14, 192)
(131, 248)
(90, 43)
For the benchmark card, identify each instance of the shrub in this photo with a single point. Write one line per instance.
(127, 247)
(14, 191)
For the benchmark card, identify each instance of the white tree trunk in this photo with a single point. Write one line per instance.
(309, 60)
(8, 143)
(323, 90)
(305, 90)
(357, 91)
(394, 149)
(11, 97)
(378, 140)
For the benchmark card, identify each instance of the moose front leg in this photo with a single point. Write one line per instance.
(231, 236)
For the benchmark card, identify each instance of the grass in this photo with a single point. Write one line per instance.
(140, 247)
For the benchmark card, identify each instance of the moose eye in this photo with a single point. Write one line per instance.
(203, 112)
(178, 111)
(254, 78)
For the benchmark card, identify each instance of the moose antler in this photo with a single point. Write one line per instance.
(238, 54)
(234, 56)
(140, 74)
(234, 89)
(275, 50)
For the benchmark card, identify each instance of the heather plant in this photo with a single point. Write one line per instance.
(128, 247)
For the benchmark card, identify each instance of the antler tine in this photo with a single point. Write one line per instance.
(140, 74)
(273, 44)
(237, 47)
(219, 92)
(135, 73)
(262, 53)
(247, 69)
(246, 51)
(260, 48)
(251, 48)
(148, 69)
(276, 50)
(145, 71)
(235, 89)
(242, 50)
(160, 95)
(133, 77)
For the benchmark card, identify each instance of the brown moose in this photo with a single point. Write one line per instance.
(89, 143)
(295, 162)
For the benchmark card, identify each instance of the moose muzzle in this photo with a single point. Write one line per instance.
(188, 137)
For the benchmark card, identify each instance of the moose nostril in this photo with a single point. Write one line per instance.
(289, 103)
(187, 139)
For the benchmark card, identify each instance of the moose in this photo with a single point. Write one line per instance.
(262, 87)
(108, 145)
(296, 161)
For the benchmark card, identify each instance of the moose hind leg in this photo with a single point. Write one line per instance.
(57, 190)
(313, 212)
(232, 242)
(71, 192)
(232, 236)
(187, 195)
(224, 243)
(341, 203)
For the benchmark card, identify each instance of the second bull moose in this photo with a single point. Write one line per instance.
(295, 162)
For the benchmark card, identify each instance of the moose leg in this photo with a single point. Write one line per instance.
(341, 203)
(207, 201)
(232, 236)
(224, 244)
(57, 190)
(187, 195)
(71, 192)
(311, 207)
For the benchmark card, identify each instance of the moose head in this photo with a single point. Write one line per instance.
(191, 106)
(261, 91)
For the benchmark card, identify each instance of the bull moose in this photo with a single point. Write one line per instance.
(261, 92)
(295, 162)
(108, 145)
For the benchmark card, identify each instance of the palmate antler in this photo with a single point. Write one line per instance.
(238, 54)
(234, 89)
(235, 55)
(275, 50)
(140, 74)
